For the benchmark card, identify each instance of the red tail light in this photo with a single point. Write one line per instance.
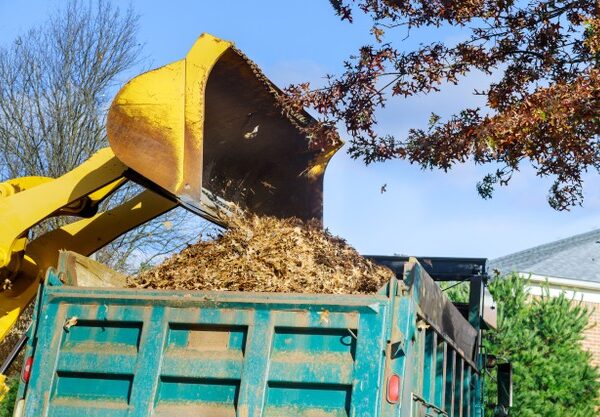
(393, 389)
(27, 369)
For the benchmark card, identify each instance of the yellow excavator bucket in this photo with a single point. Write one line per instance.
(208, 128)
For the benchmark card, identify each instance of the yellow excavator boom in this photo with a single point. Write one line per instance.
(204, 132)
(75, 193)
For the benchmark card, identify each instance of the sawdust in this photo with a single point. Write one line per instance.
(267, 254)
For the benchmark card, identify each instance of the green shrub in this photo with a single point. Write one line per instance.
(7, 405)
(541, 337)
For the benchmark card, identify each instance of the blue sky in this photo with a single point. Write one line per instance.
(423, 212)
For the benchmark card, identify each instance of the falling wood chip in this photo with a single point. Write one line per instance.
(70, 322)
(324, 316)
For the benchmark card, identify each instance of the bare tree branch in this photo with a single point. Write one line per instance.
(56, 82)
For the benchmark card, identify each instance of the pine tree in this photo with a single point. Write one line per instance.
(541, 337)
(7, 404)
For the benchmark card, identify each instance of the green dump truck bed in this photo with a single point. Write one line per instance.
(406, 351)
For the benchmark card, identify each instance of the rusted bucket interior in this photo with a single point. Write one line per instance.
(254, 155)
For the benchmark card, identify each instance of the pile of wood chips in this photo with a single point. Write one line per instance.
(267, 254)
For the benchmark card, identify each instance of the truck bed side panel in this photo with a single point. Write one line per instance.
(116, 353)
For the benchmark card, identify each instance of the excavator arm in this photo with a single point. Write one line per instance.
(27, 202)
(205, 132)
(20, 211)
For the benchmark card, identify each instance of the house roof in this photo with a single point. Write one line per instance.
(576, 257)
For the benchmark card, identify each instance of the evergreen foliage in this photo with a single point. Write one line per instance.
(8, 403)
(541, 337)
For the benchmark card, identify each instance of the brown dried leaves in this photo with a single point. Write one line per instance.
(270, 255)
(542, 98)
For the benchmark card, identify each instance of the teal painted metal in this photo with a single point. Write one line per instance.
(132, 353)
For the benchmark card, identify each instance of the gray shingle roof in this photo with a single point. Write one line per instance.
(576, 257)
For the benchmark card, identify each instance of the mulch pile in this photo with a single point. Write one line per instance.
(267, 254)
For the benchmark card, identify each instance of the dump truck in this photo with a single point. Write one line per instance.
(405, 351)
(208, 133)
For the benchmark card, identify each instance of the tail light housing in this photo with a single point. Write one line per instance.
(394, 386)
(27, 370)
